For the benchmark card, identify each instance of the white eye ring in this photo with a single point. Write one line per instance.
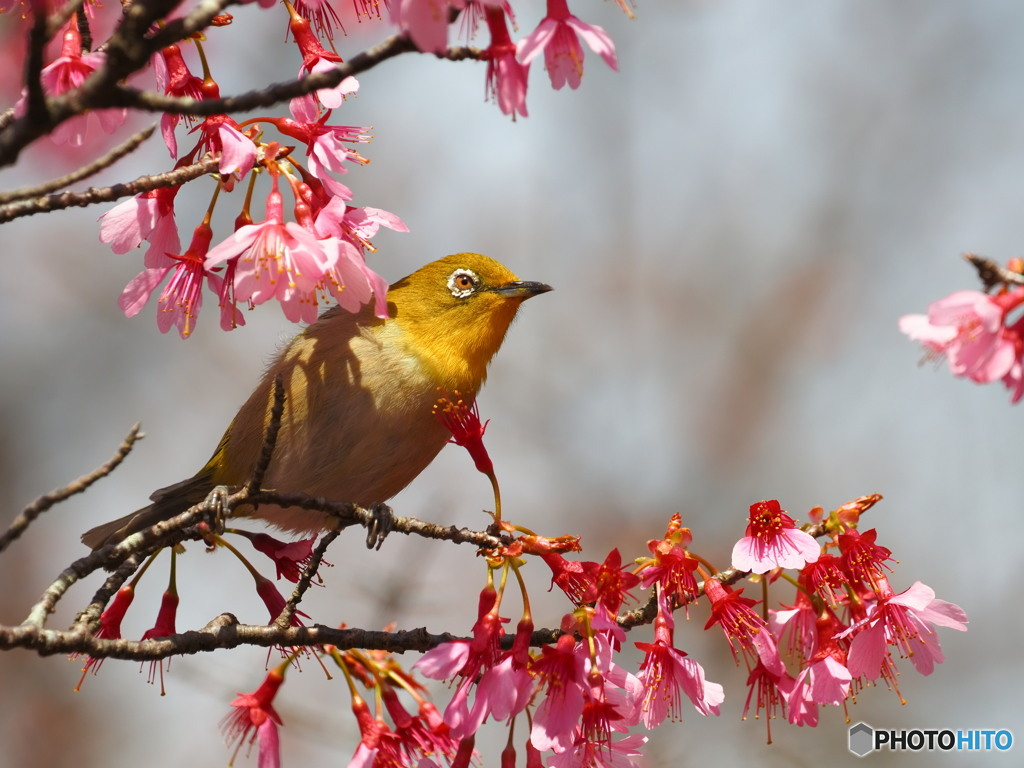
(457, 283)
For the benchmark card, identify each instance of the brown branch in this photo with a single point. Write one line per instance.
(35, 98)
(992, 274)
(222, 633)
(176, 30)
(88, 620)
(43, 503)
(348, 514)
(125, 148)
(270, 438)
(95, 195)
(285, 619)
(275, 93)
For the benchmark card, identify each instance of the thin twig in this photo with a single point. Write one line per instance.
(285, 619)
(84, 172)
(992, 274)
(95, 195)
(88, 619)
(176, 30)
(123, 96)
(270, 438)
(43, 503)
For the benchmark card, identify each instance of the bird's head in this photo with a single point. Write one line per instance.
(454, 313)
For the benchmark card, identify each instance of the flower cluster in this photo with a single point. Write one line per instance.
(980, 335)
(309, 243)
(581, 703)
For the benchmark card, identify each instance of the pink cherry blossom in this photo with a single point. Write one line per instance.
(149, 217)
(558, 36)
(906, 621)
(173, 78)
(65, 73)
(768, 690)
(110, 627)
(666, 672)
(773, 541)
(276, 260)
(426, 21)
(254, 718)
(163, 627)
(796, 626)
(316, 58)
(180, 302)
(621, 753)
(560, 671)
(744, 629)
(507, 77)
(290, 558)
(967, 327)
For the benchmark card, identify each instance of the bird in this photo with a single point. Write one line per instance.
(357, 423)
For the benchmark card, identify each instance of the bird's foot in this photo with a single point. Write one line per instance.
(380, 525)
(215, 508)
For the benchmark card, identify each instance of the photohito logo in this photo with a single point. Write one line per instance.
(865, 739)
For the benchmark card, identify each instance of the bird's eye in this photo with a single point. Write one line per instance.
(462, 283)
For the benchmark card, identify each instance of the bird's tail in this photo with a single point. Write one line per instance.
(167, 502)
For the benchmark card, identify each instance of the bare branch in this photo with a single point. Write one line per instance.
(270, 438)
(95, 195)
(84, 172)
(35, 99)
(88, 620)
(285, 619)
(276, 92)
(177, 30)
(43, 503)
(224, 632)
(992, 274)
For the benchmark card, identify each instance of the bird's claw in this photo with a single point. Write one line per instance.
(215, 508)
(380, 525)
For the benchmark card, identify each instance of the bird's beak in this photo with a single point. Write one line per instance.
(523, 289)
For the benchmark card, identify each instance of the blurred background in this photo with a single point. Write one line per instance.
(733, 224)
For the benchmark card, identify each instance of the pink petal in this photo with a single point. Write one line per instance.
(599, 41)
(135, 295)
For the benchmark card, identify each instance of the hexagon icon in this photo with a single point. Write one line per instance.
(861, 739)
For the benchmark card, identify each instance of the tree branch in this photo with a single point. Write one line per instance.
(43, 503)
(275, 93)
(95, 195)
(992, 274)
(125, 148)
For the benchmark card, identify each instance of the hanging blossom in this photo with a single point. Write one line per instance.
(148, 217)
(65, 73)
(905, 621)
(743, 628)
(173, 78)
(315, 59)
(558, 37)
(254, 718)
(426, 21)
(969, 329)
(506, 76)
(182, 298)
(667, 671)
(276, 260)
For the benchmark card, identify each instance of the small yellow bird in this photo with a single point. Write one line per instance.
(359, 390)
